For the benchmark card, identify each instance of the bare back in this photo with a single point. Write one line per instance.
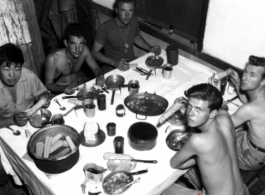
(253, 114)
(217, 158)
(256, 124)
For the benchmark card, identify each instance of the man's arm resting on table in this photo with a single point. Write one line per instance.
(5, 122)
(243, 114)
(50, 69)
(100, 56)
(140, 42)
(185, 157)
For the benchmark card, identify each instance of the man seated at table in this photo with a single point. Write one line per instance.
(62, 67)
(117, 36)
(19, 90)
(213, 150)
(251, 91)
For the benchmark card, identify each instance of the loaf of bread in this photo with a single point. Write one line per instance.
(39, 149)
(47, 146)
(110, 155)
(70, 142)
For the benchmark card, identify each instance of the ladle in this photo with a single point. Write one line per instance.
(15, 132)
(61, 108)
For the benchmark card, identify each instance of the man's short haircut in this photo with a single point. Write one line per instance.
(117, 2)
(74, 29)
(11, 54)
(257, 61)
(206, 92)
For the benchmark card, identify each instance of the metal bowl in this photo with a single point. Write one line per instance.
(54, 165)
(176, 139)
(114, 81)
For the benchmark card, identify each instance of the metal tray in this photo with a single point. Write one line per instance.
(146, 104)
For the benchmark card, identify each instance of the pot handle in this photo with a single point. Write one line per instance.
(144, 161)
(139, 172)
(141, 118)
(112, 97)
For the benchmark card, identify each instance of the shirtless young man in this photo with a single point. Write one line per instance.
(213, 150)
(62, 66)
(251, 91)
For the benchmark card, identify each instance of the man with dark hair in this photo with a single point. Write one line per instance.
(213, 150)
(62, 67)
(117, 36)
(19, 87)
(251, 91)
(19, 90)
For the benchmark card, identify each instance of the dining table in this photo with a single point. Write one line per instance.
(14, 151)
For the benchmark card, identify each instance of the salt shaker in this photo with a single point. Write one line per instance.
(118, 144)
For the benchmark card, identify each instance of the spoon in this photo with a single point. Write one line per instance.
(15, 132)
(61, 108)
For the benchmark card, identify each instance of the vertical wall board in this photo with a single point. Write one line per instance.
(35, 46)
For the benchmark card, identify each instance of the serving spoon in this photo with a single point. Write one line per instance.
(61, 108)
(15, 132)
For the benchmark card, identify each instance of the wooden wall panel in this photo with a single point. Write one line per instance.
(18, 25)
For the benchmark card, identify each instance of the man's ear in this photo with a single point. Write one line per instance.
(65, 43)
(262, 82)
(213, 113)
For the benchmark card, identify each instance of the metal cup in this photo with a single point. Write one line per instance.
(111, 128)
(57, 119)
(90, 110)
(167, 71)
(133, 86)
(91, 173)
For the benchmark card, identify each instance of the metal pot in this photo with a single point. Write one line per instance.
(113, 82)
(142, 136)
(54, 165)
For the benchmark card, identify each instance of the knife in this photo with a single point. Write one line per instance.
(76, 96)
(137, 160)
(149, 74)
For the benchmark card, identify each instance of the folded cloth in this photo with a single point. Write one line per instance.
(8, 168)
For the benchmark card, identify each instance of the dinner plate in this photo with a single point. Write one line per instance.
(101, 136)
(154, 62)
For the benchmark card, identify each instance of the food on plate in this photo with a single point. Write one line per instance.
(145, 104)
(116, 182)
(154, 62)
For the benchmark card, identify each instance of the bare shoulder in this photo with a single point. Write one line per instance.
(54, 58)
(201, 142)
(223, 117)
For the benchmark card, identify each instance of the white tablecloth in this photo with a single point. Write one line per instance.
(160, 175)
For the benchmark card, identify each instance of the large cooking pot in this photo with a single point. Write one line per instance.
(142, 136)
(55, 165)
